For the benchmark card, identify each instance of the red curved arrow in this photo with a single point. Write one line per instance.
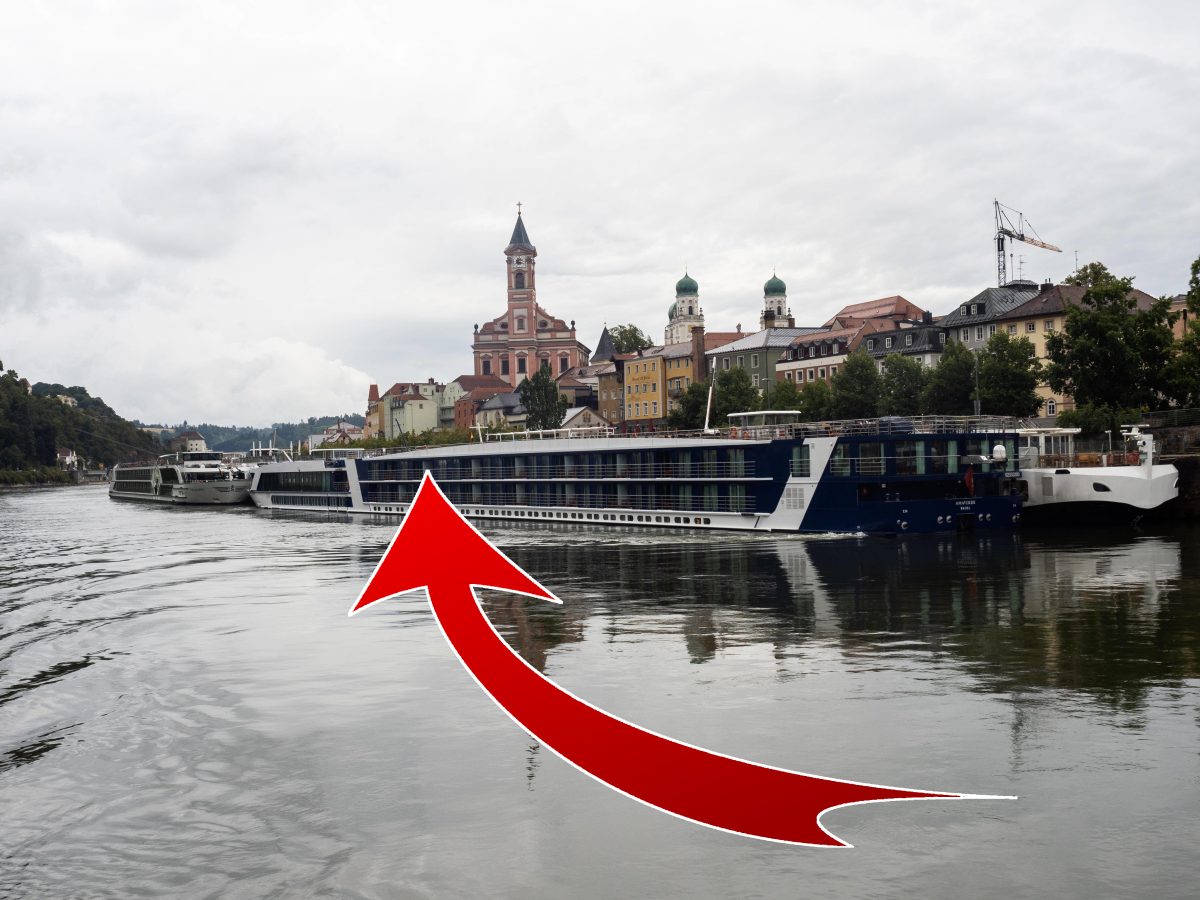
(437, 549)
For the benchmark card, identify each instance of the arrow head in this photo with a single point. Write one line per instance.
(437, 547)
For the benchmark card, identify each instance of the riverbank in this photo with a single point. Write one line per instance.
(41, 475)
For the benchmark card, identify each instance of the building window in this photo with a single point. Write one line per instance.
(564, 363)
(1051, 408)
(1031, 327)
(725, 364)
(520, 323)
(832, 371)
(754, 360)
(812, 374)
(871, 344)
(941, 337)
(741, 362)
(812, 351)
(654, 387)
(1012, 329)
(1048, 325)
(520, 365)
(908, 340)
(963, 309)
(755, 378)
(979, 333)
(887, 343)
(504, 365)
(655, 408)
(964, 335)
(991, 330)
(486, 367)
(821, 373)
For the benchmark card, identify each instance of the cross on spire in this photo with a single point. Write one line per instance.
(518, 207)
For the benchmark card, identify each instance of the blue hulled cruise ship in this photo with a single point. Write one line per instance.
(766, 472)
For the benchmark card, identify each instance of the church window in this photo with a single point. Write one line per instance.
(487, 367)
(564, 363)
(543, 324)
(519, 281)
(520, 323)
(520, 365)
(504, 326)
(504, 365)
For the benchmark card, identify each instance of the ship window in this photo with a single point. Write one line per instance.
(870, 459)
(1102, 488)
(801, 463)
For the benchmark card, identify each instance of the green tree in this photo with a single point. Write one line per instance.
(734, 393)
(629, 338)
(1009, 373)
(950, 385)
(901, 386)
(784, 395)
(689, 410)
(1110, 353)
(1184, 371)
(544, 405)
(816, 401)
(1092, 274)
(856, 388)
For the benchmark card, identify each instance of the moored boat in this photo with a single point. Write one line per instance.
(767, 472)
(1058, 484)
(199, 478)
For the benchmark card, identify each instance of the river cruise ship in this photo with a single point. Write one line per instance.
(767, 472)
(200, 478)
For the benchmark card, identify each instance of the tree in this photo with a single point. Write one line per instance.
(783, 396)
(689, 410)
(734, 393)
(629, 338)
(544, 405)
(816, 401)
(1110, 353)
(1009, 373)
(902, 383)
(1184, 372)
(950, 385)
(1091, 274)
(856, 388)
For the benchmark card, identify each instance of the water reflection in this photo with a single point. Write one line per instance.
(1105, 618)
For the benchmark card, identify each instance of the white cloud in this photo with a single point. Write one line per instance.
(338, 180)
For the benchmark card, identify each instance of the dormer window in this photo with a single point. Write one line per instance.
(963, 309)
(871, 343)
(887, 343)
(812, 351)
(908, 340)
(504, 326)
(543, 324)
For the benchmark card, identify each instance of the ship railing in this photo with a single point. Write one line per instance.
(693, 506)
(1081, 460)
(888, 425)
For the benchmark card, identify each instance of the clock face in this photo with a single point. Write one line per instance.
(518, 262)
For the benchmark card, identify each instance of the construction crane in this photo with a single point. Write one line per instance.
(1006, 229)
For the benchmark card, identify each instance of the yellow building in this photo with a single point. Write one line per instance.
(654, 379)
(1042, 316)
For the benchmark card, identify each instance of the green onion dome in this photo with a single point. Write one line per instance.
(774, 287)
(686, 286)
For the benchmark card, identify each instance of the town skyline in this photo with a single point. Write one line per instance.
(262, 240)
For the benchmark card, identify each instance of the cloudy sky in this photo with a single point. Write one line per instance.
(247, 212)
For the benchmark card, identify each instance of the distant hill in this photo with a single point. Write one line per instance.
(33, 426)
(233, 437)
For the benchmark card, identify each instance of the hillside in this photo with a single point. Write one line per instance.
(33, 426)
(228, 438)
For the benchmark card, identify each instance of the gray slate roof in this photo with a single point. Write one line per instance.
(996, 302)
(520, 238)
(768, 337)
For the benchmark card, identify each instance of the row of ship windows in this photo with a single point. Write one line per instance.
(573, 516)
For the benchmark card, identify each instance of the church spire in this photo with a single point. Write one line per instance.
(520, 237)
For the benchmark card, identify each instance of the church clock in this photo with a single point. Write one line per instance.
(518, 262)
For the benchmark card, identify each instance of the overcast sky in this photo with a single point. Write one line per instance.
(247, 212)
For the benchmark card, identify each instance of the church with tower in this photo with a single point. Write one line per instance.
(517, 343)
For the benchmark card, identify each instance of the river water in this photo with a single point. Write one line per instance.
(186, 710)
